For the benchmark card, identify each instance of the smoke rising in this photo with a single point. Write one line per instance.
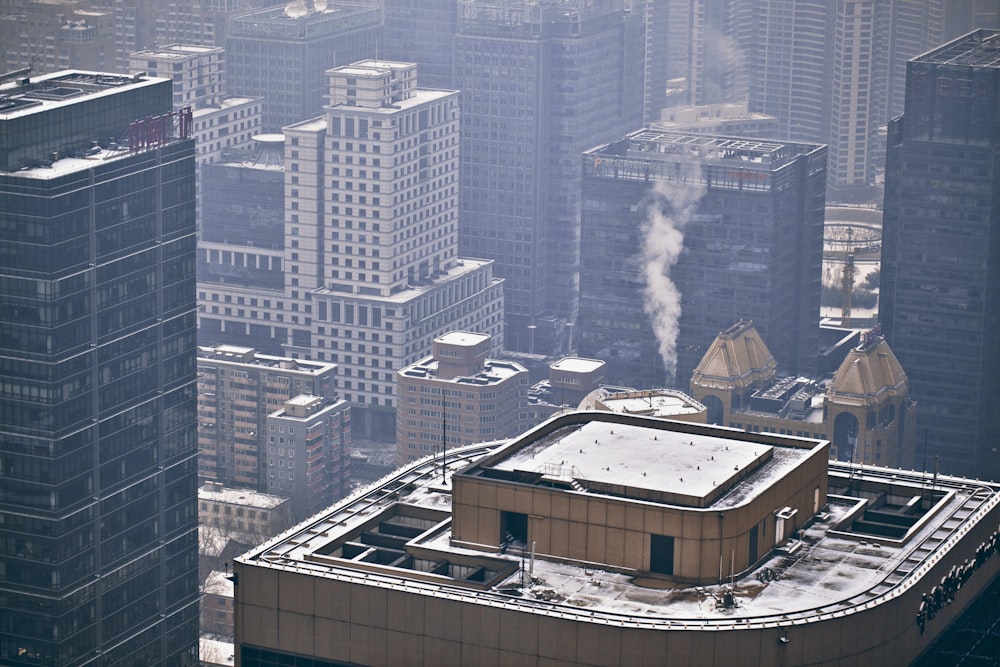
(668, 211)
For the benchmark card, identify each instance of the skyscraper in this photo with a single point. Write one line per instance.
(282, 53)
(541, 82)
(422, 32)
(941, 239)
(736, 225)
(829, 72)
(370, 268)
(98, 443)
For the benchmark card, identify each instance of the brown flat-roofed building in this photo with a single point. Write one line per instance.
(458, 393)
(607, 539)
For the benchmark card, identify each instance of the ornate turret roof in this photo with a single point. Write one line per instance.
(737, 359)
(869, 373)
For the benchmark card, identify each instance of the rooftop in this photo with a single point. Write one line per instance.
(244, 497)
(247, 356)
(687, 469)
(833, 566)
(577, 365)
(176, 52)
(31, 95)
(463, 338)
(663, 403)
(463, 266)
(979, 48)
(294, 21)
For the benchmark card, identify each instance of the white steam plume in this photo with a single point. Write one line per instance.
(669, 210)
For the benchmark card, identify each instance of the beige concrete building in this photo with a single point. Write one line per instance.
(459, 393)
(369, 263)
(864, 410)
(241, 513)
(607, 539)
(198, 72)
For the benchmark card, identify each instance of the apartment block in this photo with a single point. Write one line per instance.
(237, 389)
(308, 452)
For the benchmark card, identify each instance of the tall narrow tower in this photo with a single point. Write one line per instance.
(98, 446)
(941, 243)
(541, 82)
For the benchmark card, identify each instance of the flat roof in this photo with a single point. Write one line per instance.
(577, 365)
(662, 403)
(463, 338)
(830, 571)
(685, 468)
(979, 48)
(462, 267)
(64, 88)
(244, 497)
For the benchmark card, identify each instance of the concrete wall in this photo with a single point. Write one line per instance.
(615, 532)
(369, 625)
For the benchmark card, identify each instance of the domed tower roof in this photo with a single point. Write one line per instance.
(737, 359)
(869, 374)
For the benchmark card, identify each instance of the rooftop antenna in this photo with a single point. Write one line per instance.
(444, 440)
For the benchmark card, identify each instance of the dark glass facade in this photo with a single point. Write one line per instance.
(243, 226)
(752, 249)
(284, 58)
(940, 276)
(540, 84)
(98, 446)
(422, 32)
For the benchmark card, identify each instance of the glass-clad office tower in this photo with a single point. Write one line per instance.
(940, 276)
(541, 82)
(98, 446)
(737, 226)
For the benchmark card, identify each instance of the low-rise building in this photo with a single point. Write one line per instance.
(217, 606)
(242, 513)
(458, 396)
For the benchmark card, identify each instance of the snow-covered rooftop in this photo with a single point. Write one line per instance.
(688, 468)
(828, 568)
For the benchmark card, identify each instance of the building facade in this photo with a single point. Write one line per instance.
(941, 236)
(541, 82)
(742, 221)
(243, 225)
(237, 389)
(281, 54)
(458, 396)
(198, 72)
(828, 72)
(51, 36)
(423, 32)
(308, 452)
(243, 514)
(370, 264)
(98, 430)
(864, 409)
(609, 539)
